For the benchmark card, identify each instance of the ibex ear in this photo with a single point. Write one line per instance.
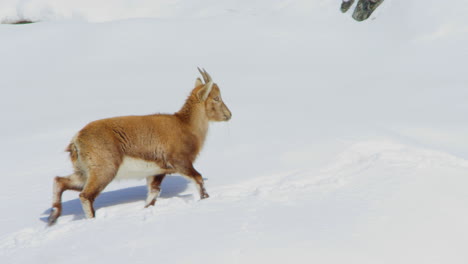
(203, 93)
(198, 82)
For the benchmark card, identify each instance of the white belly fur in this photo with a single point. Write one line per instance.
(132, 168)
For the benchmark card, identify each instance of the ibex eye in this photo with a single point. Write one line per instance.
(216, 98)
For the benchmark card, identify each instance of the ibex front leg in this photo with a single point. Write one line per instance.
(189, 171)
(154, 188)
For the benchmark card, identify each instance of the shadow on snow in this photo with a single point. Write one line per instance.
(172, 186)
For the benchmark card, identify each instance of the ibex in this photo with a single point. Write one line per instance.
(139, 147)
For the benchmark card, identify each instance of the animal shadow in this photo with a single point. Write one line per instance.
(172, 186)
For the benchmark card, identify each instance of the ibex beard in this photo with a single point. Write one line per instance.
(149, 146)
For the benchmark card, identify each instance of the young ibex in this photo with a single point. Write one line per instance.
(141, 147)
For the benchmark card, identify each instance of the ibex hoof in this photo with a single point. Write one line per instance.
(150, 204)
(53, 216)
(204, 196)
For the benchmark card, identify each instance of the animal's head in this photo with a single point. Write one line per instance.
(209, 94)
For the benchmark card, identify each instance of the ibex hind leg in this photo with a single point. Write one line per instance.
(97, 181)
(74, 182)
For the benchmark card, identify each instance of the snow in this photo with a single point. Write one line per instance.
(348, 140)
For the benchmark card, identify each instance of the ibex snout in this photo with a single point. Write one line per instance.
(227, 113)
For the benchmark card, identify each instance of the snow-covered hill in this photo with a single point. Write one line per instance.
(349, 141)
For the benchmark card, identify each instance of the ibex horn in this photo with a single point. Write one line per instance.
(205, 75)
(208, 75)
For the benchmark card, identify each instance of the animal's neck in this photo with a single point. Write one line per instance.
(193, 114)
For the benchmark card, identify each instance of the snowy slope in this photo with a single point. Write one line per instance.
(348, 140)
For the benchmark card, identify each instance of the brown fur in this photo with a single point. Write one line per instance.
(173, 142)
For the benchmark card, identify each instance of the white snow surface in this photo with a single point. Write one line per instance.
(348, 142)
